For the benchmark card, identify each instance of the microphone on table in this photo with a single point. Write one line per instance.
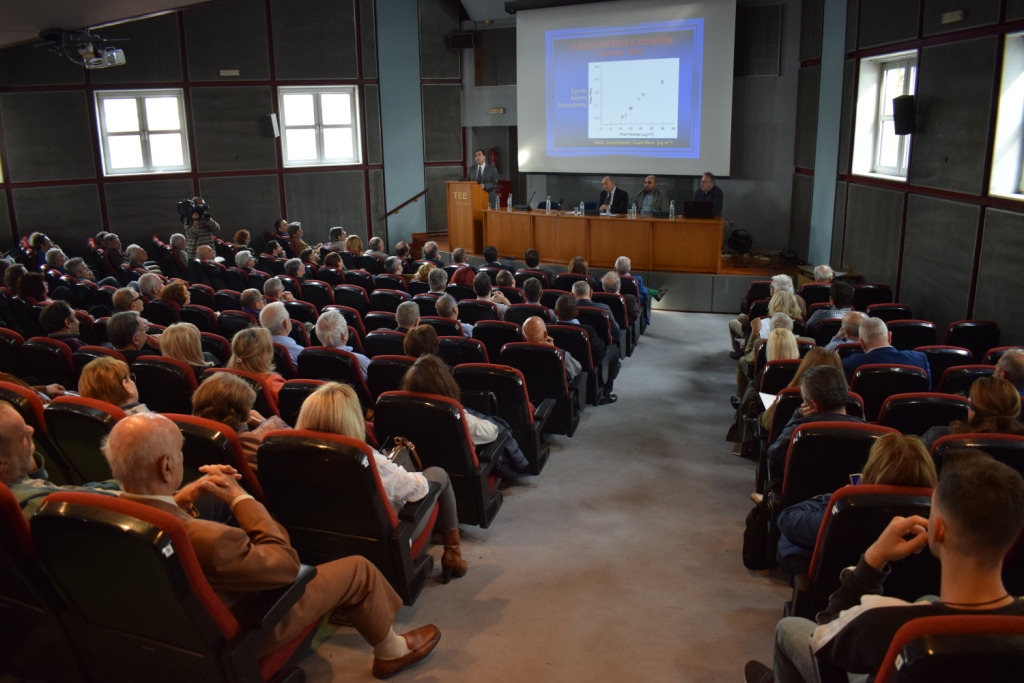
(526, 207)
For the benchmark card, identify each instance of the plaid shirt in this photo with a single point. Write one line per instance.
(826, 314)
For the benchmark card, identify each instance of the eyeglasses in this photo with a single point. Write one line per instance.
(131, 376)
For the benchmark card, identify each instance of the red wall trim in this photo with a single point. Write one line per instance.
(803, 171)
(980, 32)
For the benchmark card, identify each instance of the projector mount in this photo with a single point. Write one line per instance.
(82, 47)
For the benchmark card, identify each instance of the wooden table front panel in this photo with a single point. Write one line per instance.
(687, 246)
(510, 232)
(570, 238)
(544, 228)
(611, 238)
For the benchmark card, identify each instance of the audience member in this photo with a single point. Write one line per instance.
(228, 399)
(127, 299)
(295, 269)
(850, 331)
(437, 278)
(197, 272)
(536, 331)
(464, 275)
(430, 253)
(273, 290)
(60, 322)
(447, 307)
(127, 334)
(533, 288)
(482, 287)
(581, 292)
(1011, 368)
(876, 339)
(622, 267)
(823, 273)
(199, 231)
(334, 408)
(178, 245)
(245, 261)
(894, 460)
(74, 267)
(275, 318)
(33, 290)
(354, 244)
(55, 260)
(150, 285)
(565, 312)
(295, 238)
(336, 239)
(282, 237)
(144, 452)
(252, 302)
(183, 342)
(422, 273)
(994, 408)
(784, 283)
(491, 259)
(402, 250)
(393, 265)
(332, 331)
(136, 257)
(421, 340)
(612, 283)
(253, 351)
(309, 258)
(459, 259)
(407, 315)
(40, 244)
(333, 260)
(176, 291)
(976, 515)
(241, 239)
(840, 303)
(107, 379)
(376, 247)
(781, 302)
(532, 259)
(274, 249)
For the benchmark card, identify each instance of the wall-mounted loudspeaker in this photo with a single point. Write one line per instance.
(270, 126)
(459, 41)
(904, 114)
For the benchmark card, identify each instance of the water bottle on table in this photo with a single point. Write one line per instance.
(509, 202)
(581, 208)
(672, 210)
(547, 205)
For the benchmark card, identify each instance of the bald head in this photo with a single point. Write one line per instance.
(144, 453)
(650, 183)
(15, 445)
(535, 330)
(206, 253)
(851, 325)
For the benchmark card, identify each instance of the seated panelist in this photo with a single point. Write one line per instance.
(613, 199)
(648, 200)
(709, 192)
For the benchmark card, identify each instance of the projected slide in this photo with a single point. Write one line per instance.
(631, 90)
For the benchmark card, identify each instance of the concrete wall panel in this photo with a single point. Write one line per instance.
(979, 13)
(811, 17)
(806, 116)
(249, 202)
(800, 215)
(1000, 277)
(68, 214)
(321, 201)
(27, 65)
(371, 124)
(839, 225)
(137, 210)
(48, 136)
(883, 22)
(872, 242)
(158, 62)
(438, 18)
(231, 34)
(434, 178)
(442, 131)
(229, 131)
(314, 39)
(378, 224)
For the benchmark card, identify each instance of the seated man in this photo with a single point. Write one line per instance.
(779, 283)
(55, 259)
(393, 265)
(532, 290)
(274, 249)
(295, 269)
(536, 331)
(76, 268)
(824, 391)
(127, 334)
(1011, 368)
(459, 259)
(273, 290)
(252, 302)
(491, 259)
(532, 259)
(150, 285)
(430, 253)
(447, 307)
(581, 292)
(612, 283)
(127, 299)
(402, 250)
(197, 268)
(437, 279)
(976, 515)
(112, 249)
(505, 279)
(336, 239)
(333, 332)
(876, 339)
(482, 287)
(144, 452)
(622, 266)
(648, 200)
(612, 199)
(275, 318)
(710, 192)
(824, 273)
(407, 315)
(566, 311)
(178, 245)
(376, 247)
(840, 301)
(136, 257)
(59, 322)
(849, 332)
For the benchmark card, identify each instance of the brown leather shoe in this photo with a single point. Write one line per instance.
(421, 641)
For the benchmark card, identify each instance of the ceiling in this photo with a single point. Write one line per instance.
(485, 10)
(21, 20)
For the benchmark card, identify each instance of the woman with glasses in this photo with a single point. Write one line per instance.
(108, 379)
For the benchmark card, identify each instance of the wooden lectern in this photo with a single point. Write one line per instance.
(467, 202)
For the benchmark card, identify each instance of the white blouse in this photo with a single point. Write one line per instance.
(400, 485)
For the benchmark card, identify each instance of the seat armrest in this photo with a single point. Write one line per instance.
(271, 606)
(801, 594)
(543, 411)
(579, 385)
(414, 511)
(487, 452)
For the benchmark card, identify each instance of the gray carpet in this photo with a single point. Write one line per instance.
(621, 561)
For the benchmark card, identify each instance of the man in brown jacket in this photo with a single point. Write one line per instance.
(144, 452)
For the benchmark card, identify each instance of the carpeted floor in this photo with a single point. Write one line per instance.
(621, 561)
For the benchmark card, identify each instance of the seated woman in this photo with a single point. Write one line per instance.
(894, 460)
(242, 239)
(781, 345)
(995, 405)
(176, 291)
(229, 399)
(108, 379)
(578, 265)
(333, 260)
(354, 245)
(430, 375)
(252, 351)
(334, 408)
(422, 272)
(33, 290)
(781, 302)
(421, 340)
(183, 342)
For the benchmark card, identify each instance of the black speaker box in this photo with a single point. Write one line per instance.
(459, 41)
(904, 114)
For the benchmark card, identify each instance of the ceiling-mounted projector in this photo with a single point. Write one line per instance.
(82, 47)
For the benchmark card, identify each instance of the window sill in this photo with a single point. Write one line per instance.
(882, 176)
(1017, 197)
(321, 164)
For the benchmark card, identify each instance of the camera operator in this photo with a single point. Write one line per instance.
(199, 226)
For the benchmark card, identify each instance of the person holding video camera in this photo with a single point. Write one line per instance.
(199, 225)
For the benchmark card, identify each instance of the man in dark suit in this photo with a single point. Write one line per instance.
(613, 199)
(490, 254)
(709, 192)
(566, 311)
(485, 175)
(581, 292)
(876, 339)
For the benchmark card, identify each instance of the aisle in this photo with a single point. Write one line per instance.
(621, 562)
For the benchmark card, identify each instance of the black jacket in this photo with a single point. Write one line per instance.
(619, 202)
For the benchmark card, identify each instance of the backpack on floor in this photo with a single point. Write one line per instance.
(755, 537)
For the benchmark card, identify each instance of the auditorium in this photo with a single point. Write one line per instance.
(511, 340)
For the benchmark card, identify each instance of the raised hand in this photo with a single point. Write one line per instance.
(903, 536)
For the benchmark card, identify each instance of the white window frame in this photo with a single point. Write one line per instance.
(318, 126)
(1007, 176)
(871, 115)
(140, 96)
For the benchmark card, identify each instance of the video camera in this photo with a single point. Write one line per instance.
(187, 207)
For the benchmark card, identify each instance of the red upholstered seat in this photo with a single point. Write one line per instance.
(213, 443)
(77, 428)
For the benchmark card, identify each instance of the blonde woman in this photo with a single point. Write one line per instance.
(229, 399)
(423, 272)
(252, 351)
(354, 244)
(781, 345)
(183, 342)
(108, 379)
(334, 408)
(781, 302)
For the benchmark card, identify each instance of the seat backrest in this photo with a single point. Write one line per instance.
(385, 373)
(524, 274)
(202, 317)
(815, 292)
(236, 279)
(823, 455)
(352, 296)
(302, 311)
(474, 310)
(959, 378)
(384, 343)
(847, 349)
(380, 320)
(332, 276)
(867, 294)
(228, 299)
(825, 330)
(549, 297)
(418, 287)
(1006, 448)
(443, 326)
(565, 281)
(212, 443)
(230, 322)
(360, 278)
(144, 597)
(387, 299)
(520, 313)
(542, 367)
(201, 295)
(292, 395)
(576, 341)
(388, 281)
(49, 360)
(496, 333)
(86, 354)
(460, 292)
(855, 517)
(993, 355)
(917, 413)
(878, 382)
(977, 335)
(427, 303)
(371, 263)
(786, 403)
(941, 358)
(757, 290)
(258, 278)
(165, 384)
(161, 312)
(458, 350)
(437, 425)
(513, 294)
(599, 319)
(778, 374)
(907, 335)
(10, 352)
(266, 403)
(334, 365)
(317, 293)
(506, 383)
(352, 318)
(758, 309)
(890, 312)
(217, 345)
(77, 427)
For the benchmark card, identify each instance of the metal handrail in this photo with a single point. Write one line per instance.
(412, 199)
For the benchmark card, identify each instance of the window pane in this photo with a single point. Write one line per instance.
(165, 149)
(336, 109)
(888, 145)
(913, 80)
(298, 110)
(121, 115)
(905, 164)
(338, 143)
(125, 151)
(162, 113)
(301, 144)
(893, 87)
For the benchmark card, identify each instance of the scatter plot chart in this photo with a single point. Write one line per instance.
(633, 99)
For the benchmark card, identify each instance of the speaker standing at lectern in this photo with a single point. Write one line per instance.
(709, 192)
(484, 174)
